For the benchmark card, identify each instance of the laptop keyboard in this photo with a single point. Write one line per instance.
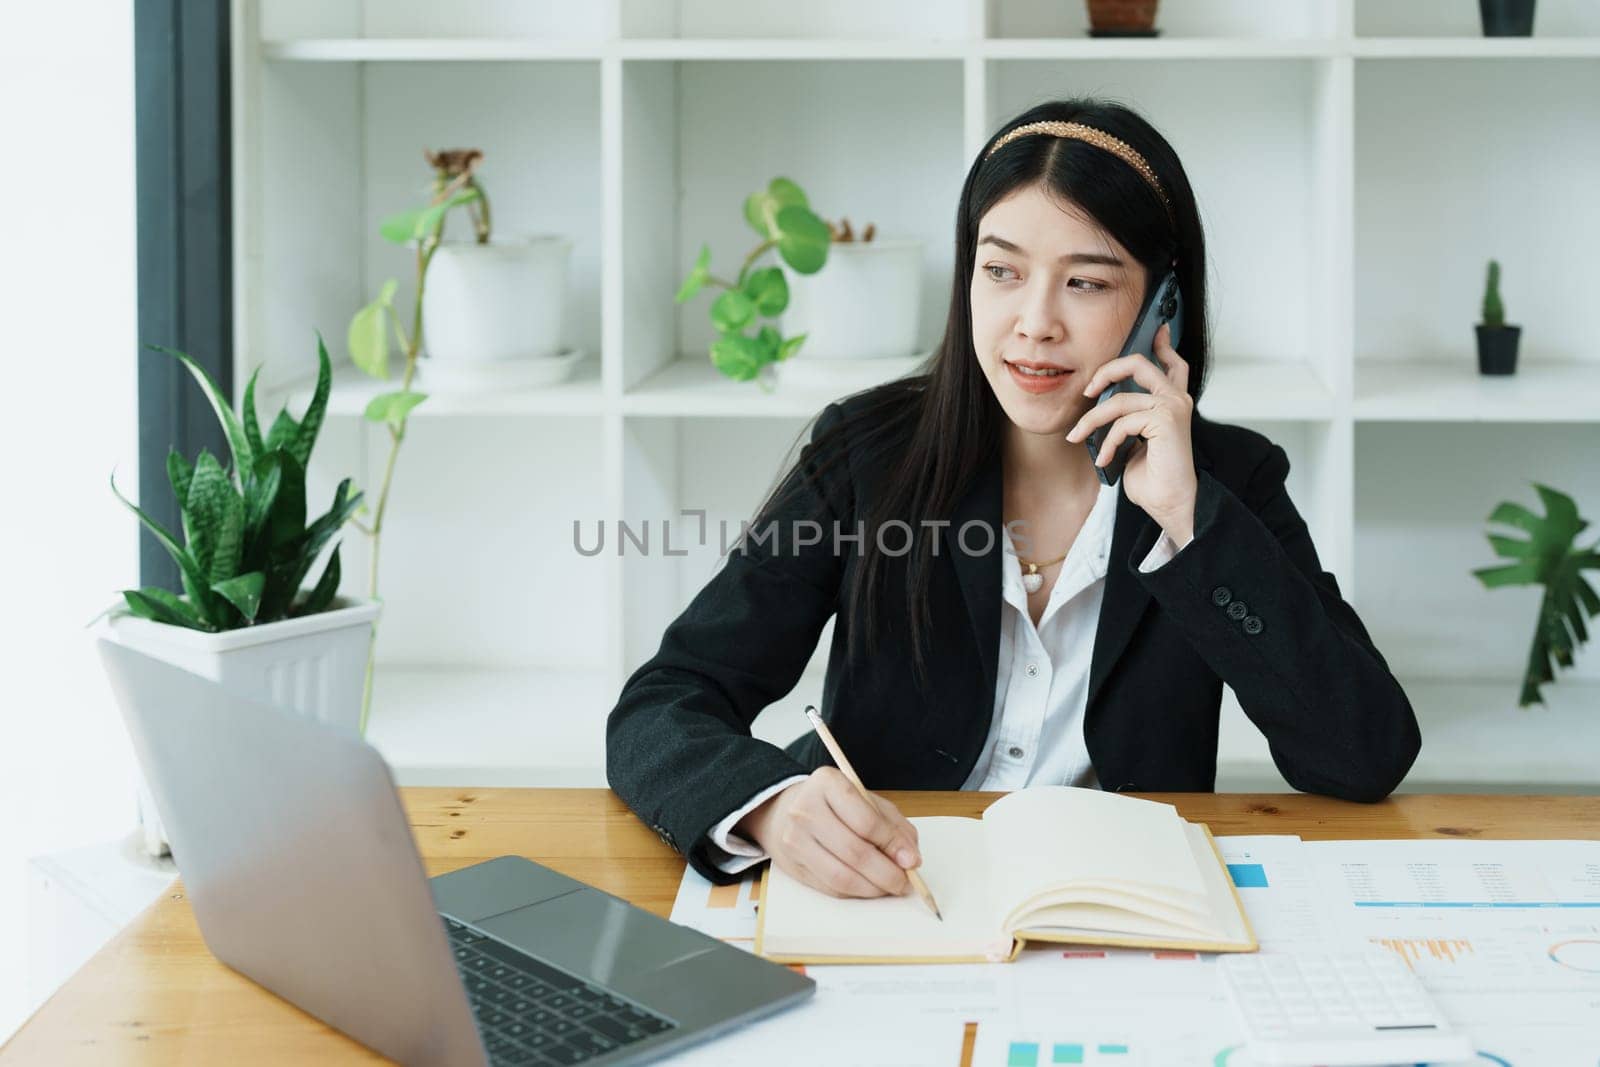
(531, 1013)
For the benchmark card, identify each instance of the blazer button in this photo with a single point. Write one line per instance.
(1221, 595)
(1252, 625)
(1237, 610)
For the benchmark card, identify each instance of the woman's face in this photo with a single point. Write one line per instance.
(1049, 288)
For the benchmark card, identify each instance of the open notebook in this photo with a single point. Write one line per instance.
(1046, 863)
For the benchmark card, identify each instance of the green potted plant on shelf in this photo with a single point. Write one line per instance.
(784, 220)
(1497, 342)
(242, 617)
(1549, 558)
(492, 303)
(492, 310)
(862, 306)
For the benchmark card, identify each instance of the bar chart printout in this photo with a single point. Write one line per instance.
(1413, 950)
(1049, 1053)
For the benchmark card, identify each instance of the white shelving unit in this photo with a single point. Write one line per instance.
(1357, 163)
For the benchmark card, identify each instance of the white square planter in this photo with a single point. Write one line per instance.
(313, 666)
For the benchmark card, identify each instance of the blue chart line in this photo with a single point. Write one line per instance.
(1477, 903)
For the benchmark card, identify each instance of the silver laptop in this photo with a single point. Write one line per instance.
(299, 863)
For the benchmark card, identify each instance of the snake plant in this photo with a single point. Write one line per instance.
(246, 543)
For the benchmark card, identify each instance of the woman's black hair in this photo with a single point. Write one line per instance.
(945, 421)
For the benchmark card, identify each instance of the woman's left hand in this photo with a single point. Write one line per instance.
(1159, 477)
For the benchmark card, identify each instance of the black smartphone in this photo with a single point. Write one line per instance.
(1163, 303)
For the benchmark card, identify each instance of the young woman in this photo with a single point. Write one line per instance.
(915, 510)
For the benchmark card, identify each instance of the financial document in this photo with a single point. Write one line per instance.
(1504, 934)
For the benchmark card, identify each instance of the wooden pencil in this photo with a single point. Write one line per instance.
(850, 772)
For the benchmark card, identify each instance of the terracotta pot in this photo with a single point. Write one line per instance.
(1122, 16)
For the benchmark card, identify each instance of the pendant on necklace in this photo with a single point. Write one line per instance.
(1033, 579)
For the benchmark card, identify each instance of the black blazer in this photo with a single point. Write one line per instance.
(1245, 602)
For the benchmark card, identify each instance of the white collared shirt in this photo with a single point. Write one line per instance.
(1041, 680)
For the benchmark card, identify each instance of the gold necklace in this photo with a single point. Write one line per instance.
(1032, 580)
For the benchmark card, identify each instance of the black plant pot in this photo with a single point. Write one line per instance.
(1497, 349)
(1506, 18)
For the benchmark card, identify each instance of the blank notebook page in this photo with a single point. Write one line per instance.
(1049, 835)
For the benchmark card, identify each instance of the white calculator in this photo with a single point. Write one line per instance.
(1343, 1008)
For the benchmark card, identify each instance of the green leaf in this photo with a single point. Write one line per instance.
(213, 520)
(243, 592)
(761, 210)
(159, 605)
(414, 225)
(288, 520)
(768, 290)
(1546, 557)
(430, 218)
(252, 429)
(1506, 546)
(737, 356)
(283, 431)
(305, 437)
(791, 346)
(400, 227)
(260, 494)
(243, 454)
(194, 582)
(803, 239)
(698, 276)
(179, 471)
(329, 523)
(732, 311)
(1586, 595)
(326, 587)
(1513, 574)
(368, 339)
(298, 557)
(393, 408)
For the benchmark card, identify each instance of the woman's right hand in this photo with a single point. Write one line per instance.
(823, 832)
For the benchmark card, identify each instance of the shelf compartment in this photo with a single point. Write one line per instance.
(699, 137)
(1431, 208)
(491, 727)
(1422, 498)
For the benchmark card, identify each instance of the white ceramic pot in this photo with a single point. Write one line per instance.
(314, 666)
(862, 304)
(499, 301)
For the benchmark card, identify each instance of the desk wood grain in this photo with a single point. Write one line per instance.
(154, 994)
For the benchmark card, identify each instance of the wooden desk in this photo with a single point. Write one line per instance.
(154, 994)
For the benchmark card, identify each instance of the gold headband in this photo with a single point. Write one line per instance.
(1098, 138)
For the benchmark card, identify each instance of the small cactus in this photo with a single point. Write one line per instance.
(1494, 313)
